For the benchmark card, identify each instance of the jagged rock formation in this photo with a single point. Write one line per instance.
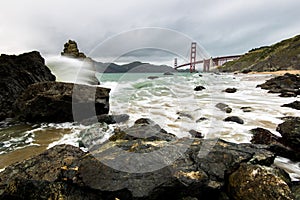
(59, 102)
(16, 74)
(145, 162)
(280, 56)
(287, 85)
(71, 50)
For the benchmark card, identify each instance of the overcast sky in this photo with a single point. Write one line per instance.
(221, 27)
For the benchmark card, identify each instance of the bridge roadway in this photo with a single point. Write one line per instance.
(219, 61)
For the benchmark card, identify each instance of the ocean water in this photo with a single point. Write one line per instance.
(172, 103)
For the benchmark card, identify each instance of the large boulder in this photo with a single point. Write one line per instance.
(290, 132)
(141, 162)
(58, 102)
(275, 144)
(287, 85)
(16, 74)
(257, 182)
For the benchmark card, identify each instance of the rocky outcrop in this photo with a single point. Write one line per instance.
(71, 50)
(59, 102)
(295, 105)
(290, 132)
(141, 162)
(285, 146)
(257, 182)
(287, 85)
(16, 74)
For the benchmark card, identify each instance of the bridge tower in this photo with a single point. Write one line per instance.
(193, 57)
(175, 62)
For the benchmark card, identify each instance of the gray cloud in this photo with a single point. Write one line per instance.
(221, 27)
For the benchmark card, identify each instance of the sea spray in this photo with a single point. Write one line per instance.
(72, 70)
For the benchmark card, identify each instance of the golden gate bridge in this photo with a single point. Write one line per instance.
(207, 63)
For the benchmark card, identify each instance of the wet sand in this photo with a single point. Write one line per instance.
(279, 73)
(43, 138)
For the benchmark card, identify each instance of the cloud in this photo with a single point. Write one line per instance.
(221, 27)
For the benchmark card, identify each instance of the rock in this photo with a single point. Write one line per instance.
(131, 166)
(290, 132)
(201, 119)
(182, 114)
(234, 119)
(263, 136)
(152, 77)
(108, 119)
(16, 74)
(295, 105)
(246, 109)
(288, 85)
(224, 107)
(199, 88)
(257, 182)
(196, 134)
(230, 90)
(58, 102)
(71, 50)
(295, 187)
(144, 129)
(168, 73)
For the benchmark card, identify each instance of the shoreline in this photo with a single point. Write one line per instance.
(278, 73)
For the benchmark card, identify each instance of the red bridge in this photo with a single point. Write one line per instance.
(207, 63)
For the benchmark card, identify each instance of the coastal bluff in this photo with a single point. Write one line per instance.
(16, 74)
(284, 55)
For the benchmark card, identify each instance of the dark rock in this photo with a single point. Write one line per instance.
(234, 119)
(59, 102)
(71, 50)
(168, 73)
(295, 187)
(133, 168)
(144, 129)
(263, 136)
(295, 105)
(201, 119)
(152, 77)
(108, 119)
(182, 114)
(288, 85)
(246, 71)
(224, 107)
(16, 74)
(257, 182)
(290, 132)
(246, 109)
(230, 90)
(199, 88)
(196, 134)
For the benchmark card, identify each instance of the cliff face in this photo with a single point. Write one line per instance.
(16, 74)
(284, 55)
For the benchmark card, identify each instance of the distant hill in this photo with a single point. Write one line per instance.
(71, 50)
(134, 67)
(284, 55)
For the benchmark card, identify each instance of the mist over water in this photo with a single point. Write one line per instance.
(72, 70)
